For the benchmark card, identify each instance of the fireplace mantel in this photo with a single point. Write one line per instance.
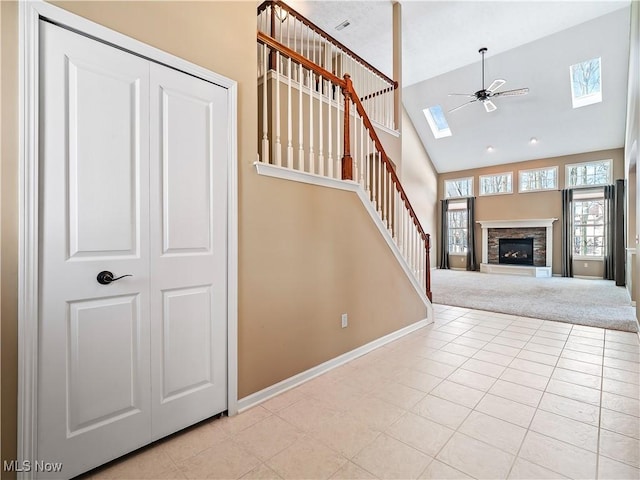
(527, 223)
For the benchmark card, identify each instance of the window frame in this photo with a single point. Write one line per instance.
(569, 166)
(541, 169)
(453, 207)
(470, 181)
(587, 194)
(437, 132)
(590, 98)
(482, 194)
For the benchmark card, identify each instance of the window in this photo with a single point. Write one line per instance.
(587, 174)
(457, 232)
(437, 121)
(496, 184)
(586, 85)
(588, 224)
(459, 187)
(538, 179)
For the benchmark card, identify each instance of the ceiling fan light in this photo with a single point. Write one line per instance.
(533, 140)
(489, 148)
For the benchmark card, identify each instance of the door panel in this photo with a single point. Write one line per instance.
(94, 344)
(101, 381)
(188, 250)
(104, 144)
(186, 171)
(187, 360)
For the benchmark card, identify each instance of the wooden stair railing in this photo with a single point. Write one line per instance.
(287, 26)
(363, 158)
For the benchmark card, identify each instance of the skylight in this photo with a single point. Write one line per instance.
(586, 84)
(437, 122)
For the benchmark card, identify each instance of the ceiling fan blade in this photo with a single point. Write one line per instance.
(497, 83)
(512, 93)
(489, 106)
(462, 94)
(463, 105)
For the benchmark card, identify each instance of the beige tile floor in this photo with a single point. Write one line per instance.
(475, 395)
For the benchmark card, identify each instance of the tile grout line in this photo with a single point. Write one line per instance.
(536, 411)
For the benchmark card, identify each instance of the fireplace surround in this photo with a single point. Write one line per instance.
(539, 229)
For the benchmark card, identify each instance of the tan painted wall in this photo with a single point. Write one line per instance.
(536, 204)
(306, 254)
(306, 271)
(420, 181)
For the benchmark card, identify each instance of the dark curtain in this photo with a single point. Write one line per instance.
(609, 231)
(444, 235)
(472, 264)
(567, 223)
(620, 242)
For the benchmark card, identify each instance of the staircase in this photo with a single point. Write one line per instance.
(318, 104)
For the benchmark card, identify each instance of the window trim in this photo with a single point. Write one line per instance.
(437, 132)
(480, 177)
(584, 194)
(458, 205)
(554, 167)
(590, 98)
(444, 187)
(568, 167)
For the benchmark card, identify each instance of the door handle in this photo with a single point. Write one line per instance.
(105, 277)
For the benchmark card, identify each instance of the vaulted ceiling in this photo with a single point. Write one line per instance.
(531, 44)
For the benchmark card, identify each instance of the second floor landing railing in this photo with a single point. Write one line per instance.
(313, 121)
(284, 24)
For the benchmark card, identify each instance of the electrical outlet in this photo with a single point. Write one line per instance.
(345, 320)
(462, 260)
(586, 264)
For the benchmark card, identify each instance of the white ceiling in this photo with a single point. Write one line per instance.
(531, 44)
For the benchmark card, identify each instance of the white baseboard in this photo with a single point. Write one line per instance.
(302, 377)
(588, 277)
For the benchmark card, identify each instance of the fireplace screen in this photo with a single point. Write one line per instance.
(516, 251)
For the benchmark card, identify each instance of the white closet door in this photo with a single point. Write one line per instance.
(189, 142)
(133, 182)
(94, 371)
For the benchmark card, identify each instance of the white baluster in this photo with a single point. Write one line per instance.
(320, 131)
(300, 124)
(289, 117)
(312, 168)
(339, 135)
(277, 146)
(329, 132)
(265, 123)
(362, 157)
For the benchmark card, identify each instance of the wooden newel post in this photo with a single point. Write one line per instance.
(427, 246)
(347, 161)
(272, 34)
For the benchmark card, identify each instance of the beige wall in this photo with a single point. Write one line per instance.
(535, 204)
(306, 254)
(311, 264)
(420, 181)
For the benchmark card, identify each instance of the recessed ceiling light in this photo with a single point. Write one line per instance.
(533, 140)
(344, 24)
(489, 148)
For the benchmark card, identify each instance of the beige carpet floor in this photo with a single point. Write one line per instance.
(598, 303)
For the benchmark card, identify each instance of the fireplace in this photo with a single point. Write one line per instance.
(516, 251)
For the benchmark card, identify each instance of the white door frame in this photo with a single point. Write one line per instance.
(28, 256)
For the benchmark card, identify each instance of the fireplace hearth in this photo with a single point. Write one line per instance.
(515, 251)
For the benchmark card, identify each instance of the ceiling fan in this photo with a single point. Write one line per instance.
(486, 94)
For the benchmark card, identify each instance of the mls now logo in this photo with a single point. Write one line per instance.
(29, 466)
